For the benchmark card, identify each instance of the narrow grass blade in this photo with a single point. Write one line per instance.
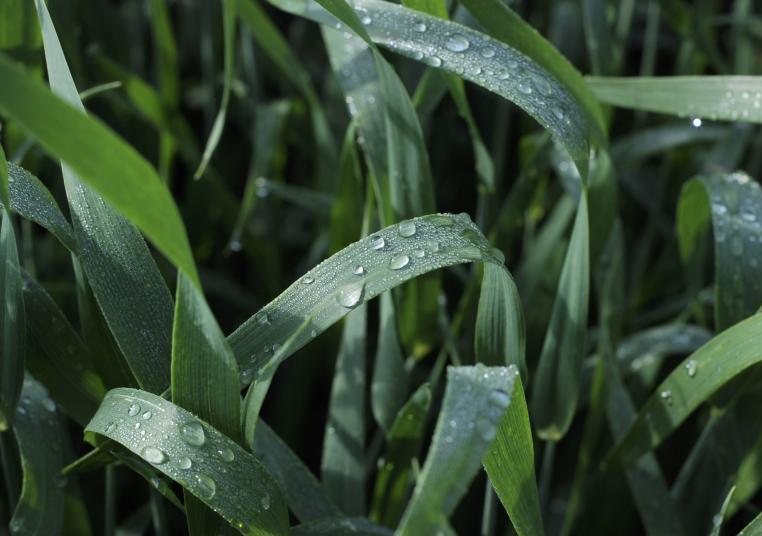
(229, 9)
(474, 403)
(58, 357)
(690, 384)
(719, 98)
(404, 439)
(389, 387)
(12, 323)
(509, 462)
(210, 465)
(754, 528)
(341, 525)
(556, 387)
(342, 467)
(720, 516)
(38, 432)
(4, 193)
(94, 91)
(347, 205)
(500, 333)
(648, 142)
(304, 494)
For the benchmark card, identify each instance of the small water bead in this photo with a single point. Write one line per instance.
(246, 375)
(419, 27)
(504, 75)
(366, 20)
(398, 262)
(486, 429)
(137, 426)
(264, 501)
(487, 52)
(48, 404)
(235, 245)
(313, 333)
(153, 455)
(350, 295)
(418, 55)
(419, 253)
(206, 486)
(666, 395)
(133, 410)
(226, 454)
(434, 61)
(406, 229)
(184, 462)
(147, 415)
(457, 43)
(307, 280)
(691, 367)
(262, 319)
(748, 216)
(359, 270)
(719, 209)
(377, 242)
(524, 88)
(441, 220)
(499, 398)
(110, 427)
(542, 85)
(192, 433)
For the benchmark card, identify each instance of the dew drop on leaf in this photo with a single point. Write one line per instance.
(457, 43)
(133, 410)
(206, 486)
(398, 262)
(226, 454)
(192, 433)
(406, 229)
(153, 455)
(350, 295)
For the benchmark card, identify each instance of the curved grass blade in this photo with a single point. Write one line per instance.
(12, 323)
(38, 431)
(304, 494)
(690, 384)
(404, 439)
(719, 98)
(509, 462)
(229, 9)
(341, 525)
(474, 57)
(647, 142)
(4, 193)
(754, 528)
(474, 403)
(343, 465)
(222, 474)
(556, 390)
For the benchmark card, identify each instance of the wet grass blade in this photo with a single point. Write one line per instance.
(39, 430)
(474, 403)
(12, 323)
(341, 525)
(4, 193)
(719, 98)
(229, 10)
(207, 463)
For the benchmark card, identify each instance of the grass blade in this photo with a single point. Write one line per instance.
(719, 98)
(4, 193)
(38, 430)
(342, 525)
(12, 323)
(475, 401)
(245, 494)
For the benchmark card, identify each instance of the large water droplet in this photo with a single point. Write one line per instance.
(133, 410)
(307, 280)
(359, 270)
(524, 88)
(226, 454)
(434, 61)
(153, 455)
(350, 295)
(110, 427)
(184, 462)
(398, 262)
(457, 43)
(147, 415)
(499, 398)
(542, 85)
(406, 229)
(666, 395)
(419, 27)
(377, 242)
(206, 486)
(192, 433)
(48, 404)
(487, 52)
(486, 429)
(691, 367)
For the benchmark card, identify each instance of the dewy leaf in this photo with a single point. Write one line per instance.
(326, 293)
(475, 57)
(213, 467)
(125, 280)
(4, 195)
(342, 467)
(692, 383)
(339, 526)
(12, 323)
(229, 8)
(556, 388)
(474, 403)
(719, 98)
(39, 433)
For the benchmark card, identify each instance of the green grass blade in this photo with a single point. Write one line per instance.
(690, 384)
(648, 142)
(556, 388)
(474, 403)
(719, 98)
(229, 10)
(30, 199)
(12, 323)
(389, 387)
(333, 288)
(4, 192)
(58, 357)
(222, 474)
(341, 525)
(393, 482)
(347, 205)
(39, 431)
(304, 494)
(754, 528)
(509, 462)
(342, 467)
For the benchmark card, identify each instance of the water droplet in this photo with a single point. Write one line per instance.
(406, 229)
(206, 486)
(441, 220)
(499, 398)
(137, 426)
(307, 280)
(486, 429)
(558, 112)
(262, 319)
(350, 295)
(719, 209)
(748, 216)
(133, 410)
(398, 262)
(457, 43)
(192, 433)
(691, 367)
(524, 88)
(313, 333)
(48, 404)
(418, 55)
(542, 85)
(419, 253)
(419, 27)
(226, 454)
(359, 270)
(147, 415)
(488, 52)
(434, 61)
(696, 122)
(110, 427)
(377, 242)
(246, 375)
(366, 20)
(264, 501)
(153, 455)
(666, 395)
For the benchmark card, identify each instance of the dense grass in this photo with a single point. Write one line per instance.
(475, 257)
